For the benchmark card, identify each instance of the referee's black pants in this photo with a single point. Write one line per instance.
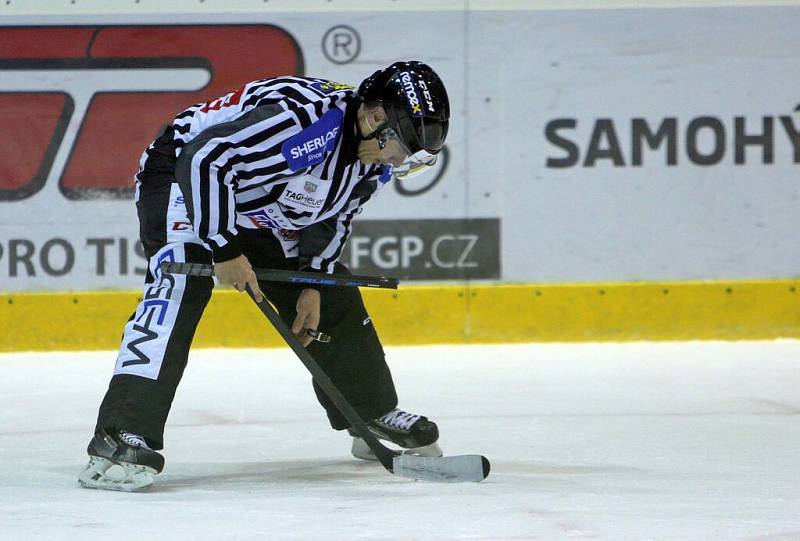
(157, 337)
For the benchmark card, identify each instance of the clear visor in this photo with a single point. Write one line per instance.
(415, 164)
(387, 134)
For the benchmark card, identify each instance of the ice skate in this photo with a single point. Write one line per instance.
(414, 433)
(120, 461)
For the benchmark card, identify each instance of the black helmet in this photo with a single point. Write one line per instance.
(415, 101)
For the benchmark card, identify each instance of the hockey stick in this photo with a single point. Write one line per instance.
(447, 469)
(296, 277)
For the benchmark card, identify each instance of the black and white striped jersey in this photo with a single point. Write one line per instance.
(278, 154)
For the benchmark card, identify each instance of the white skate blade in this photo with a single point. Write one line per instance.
(448, 469)
(426, 450)
(125, 477)
(361, 450)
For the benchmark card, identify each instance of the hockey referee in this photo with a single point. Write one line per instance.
(270, 175)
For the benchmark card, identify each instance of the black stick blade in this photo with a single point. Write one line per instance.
(447, 469)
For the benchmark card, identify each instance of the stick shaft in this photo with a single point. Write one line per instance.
(384, 454)
(296, 277)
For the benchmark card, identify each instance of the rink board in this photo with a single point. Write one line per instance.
(722, 310)
(585, 146)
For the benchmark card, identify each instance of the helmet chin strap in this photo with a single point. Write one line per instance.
(366, 119)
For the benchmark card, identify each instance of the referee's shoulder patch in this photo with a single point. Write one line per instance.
(328, 87)
(310, 146)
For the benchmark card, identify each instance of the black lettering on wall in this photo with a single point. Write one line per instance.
(765, 140)
(20, 251)
(100, 257)
(69, 257)
(551, 133)
(718, 132)
(667, 130)
(604, 131)
(793, 134)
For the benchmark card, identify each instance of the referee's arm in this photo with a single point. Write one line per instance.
(207, 166)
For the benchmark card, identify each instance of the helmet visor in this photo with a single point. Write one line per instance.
(415, 164)
(422, 133)
(386, 134)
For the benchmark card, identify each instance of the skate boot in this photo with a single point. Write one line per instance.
(120, 461)
(415, 433)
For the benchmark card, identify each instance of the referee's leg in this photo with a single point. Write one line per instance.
(155, 347)
(353, 359)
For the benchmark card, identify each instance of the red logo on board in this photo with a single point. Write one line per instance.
(117, 126)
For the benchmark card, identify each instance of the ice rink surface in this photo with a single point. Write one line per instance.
(592, 441)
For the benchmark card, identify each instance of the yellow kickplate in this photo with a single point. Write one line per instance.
(735, 310)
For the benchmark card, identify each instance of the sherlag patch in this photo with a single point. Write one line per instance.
(310, 146)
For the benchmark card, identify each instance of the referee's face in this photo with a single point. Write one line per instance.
(370, 153)
(378, 150)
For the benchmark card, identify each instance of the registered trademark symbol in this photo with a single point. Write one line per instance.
(341, 44)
